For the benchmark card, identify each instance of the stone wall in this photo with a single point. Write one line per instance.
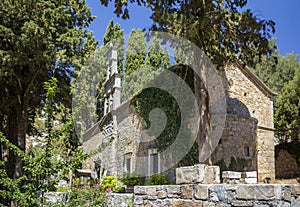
(129, 139)
(119, 200)
(242, 84)
(239, 133)
(197, 195)
(286, 165)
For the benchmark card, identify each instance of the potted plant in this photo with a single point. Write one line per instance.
(130, 180)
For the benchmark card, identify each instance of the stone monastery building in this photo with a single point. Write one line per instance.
(248, 133)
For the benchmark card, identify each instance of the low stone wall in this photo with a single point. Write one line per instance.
(119, 200)
(194, 195)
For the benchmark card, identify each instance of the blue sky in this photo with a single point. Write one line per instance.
(286, 15)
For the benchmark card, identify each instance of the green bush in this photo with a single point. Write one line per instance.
(62, 189)
(131, 179)
(158, 179)
(109, 181)
(119, 189)
(82, 197)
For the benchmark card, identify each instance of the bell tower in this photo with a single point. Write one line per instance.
(112, 86)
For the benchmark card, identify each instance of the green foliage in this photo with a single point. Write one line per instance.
(157, 56)
(236, 164)
(158, 179)
(83, 197)
(221, 163)
(115, 35)
(119, 189)
(39, 39)
(136, 52)
(151, 98)
(10, 188)
(224, 30)
(283, 77)
(46, 164)
(131, 179)
(287, 113)
(109, 181)
(131, 201)
(62, 189)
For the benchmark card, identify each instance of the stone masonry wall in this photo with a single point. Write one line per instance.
(240, 84)
(126, 142)
(197, 195)
(239, 132)
(286, 165)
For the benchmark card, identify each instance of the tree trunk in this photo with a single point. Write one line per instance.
(21, 137)
(202, 98)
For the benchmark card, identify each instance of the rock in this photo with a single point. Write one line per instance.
(231, 175)
(250, 180)
(255, 192)
(199, 173)
(252, 174)
(187, 191)
(201, 192)
(295, 189)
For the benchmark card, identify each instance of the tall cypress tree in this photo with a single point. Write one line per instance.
(38, 39)
(136, 51)
(115, 35)
(157, 56)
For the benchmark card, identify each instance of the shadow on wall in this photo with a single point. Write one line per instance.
(287, 160)
(235, 106)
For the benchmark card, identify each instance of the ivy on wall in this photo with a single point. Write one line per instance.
(151, 98)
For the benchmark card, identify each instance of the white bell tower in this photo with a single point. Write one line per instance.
(112, 86)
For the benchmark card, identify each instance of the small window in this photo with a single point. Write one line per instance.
(247, 152)
(127, 163)
(153, 162)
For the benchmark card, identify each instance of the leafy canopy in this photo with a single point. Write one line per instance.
(221, 28)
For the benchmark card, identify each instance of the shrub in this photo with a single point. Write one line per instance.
(109, 182)
(158, 179)
(86, 197)
(119, 189)
(131, 180)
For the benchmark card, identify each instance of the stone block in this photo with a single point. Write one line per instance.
(150, 197)
(255, 192)
(201, 192)
(218, 193)
(190, 174)
(187, 191)
(208, 204)
(295, 202)
(295, 189)
(173, 189)
(212, 175)
(138, 200)
(186, 203)
(242, 203)
(231, 175)
(252, 174)
(161, 194)
(286, 194)
(55, 197)
(140, 190)
(250, 180)
(199, 173)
